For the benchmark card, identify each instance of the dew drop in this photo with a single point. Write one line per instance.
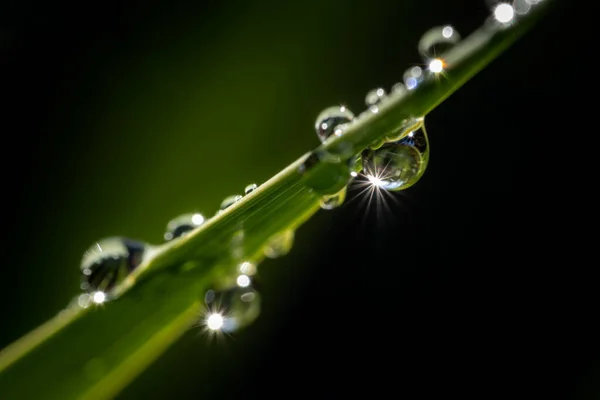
(250, 188)
(521, 7)
(229, 201)
(399, 88)
(183, 224)
(375, 97)
(356, 165)
(398, 165)
(329, 119)
(279, 244)
(247, 268)
(412, 77)
(435, 42)
(107, 263)
(333, 201)
(231, 309)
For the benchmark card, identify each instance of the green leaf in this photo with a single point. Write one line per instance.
(94, 352)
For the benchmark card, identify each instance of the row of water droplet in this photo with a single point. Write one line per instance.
(399, 160)
(392, 164)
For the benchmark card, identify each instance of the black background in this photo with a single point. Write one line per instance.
(478, 281)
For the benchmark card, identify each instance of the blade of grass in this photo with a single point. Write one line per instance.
(94, 352)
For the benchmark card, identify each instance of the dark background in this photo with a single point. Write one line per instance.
(478, 281)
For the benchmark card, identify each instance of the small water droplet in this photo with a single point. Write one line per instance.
(247, 268)
(398, 165)
(250, 188)
(279, 244)
(231, 309)
(356, 165)
(399, 88)
(229, 201)
(333, 201)
(329, 119)
(183, 224)
(375, 96)
(107, 263)
(412, 77)
(521, 7)
(503, 14)
(436, 41)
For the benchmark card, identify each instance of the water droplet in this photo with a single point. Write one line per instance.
(399, 88)
(229, 201)
(231, 309)
(436, 41)
(279, 244)
(329, 119)
(250, 188)
(522, 7)
(398, 165)
(375, 96)
(412, 77)
(247, 268)
(107, 263)
(333, 201)
(183, 224)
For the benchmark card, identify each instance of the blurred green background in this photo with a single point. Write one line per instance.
(125, 115)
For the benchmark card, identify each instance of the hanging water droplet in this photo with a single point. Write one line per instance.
(229, 201)
(279, 244)
(435, 42)
(231, 309)
(398, 165)
(107, 263)
(250, 188)
(333, 201)
(412, 77)
(329, 118)
(183, 224)
(375, 96)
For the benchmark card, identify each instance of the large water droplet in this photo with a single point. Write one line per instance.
(436, 41)
(375, 97)
(412, 77)
(229, 201)
(398, 165)
(183, 224)
(329, 119)
(279, 244)
(250, 188)
(333, 201)
(231, 309)
(107, 263)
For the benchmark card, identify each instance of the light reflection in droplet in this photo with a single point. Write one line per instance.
(504, 13)
(243, 280)
(197, 219)
(247, 268)
(447, 32)
(215, 321)
(436, 65)
(99, 297)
